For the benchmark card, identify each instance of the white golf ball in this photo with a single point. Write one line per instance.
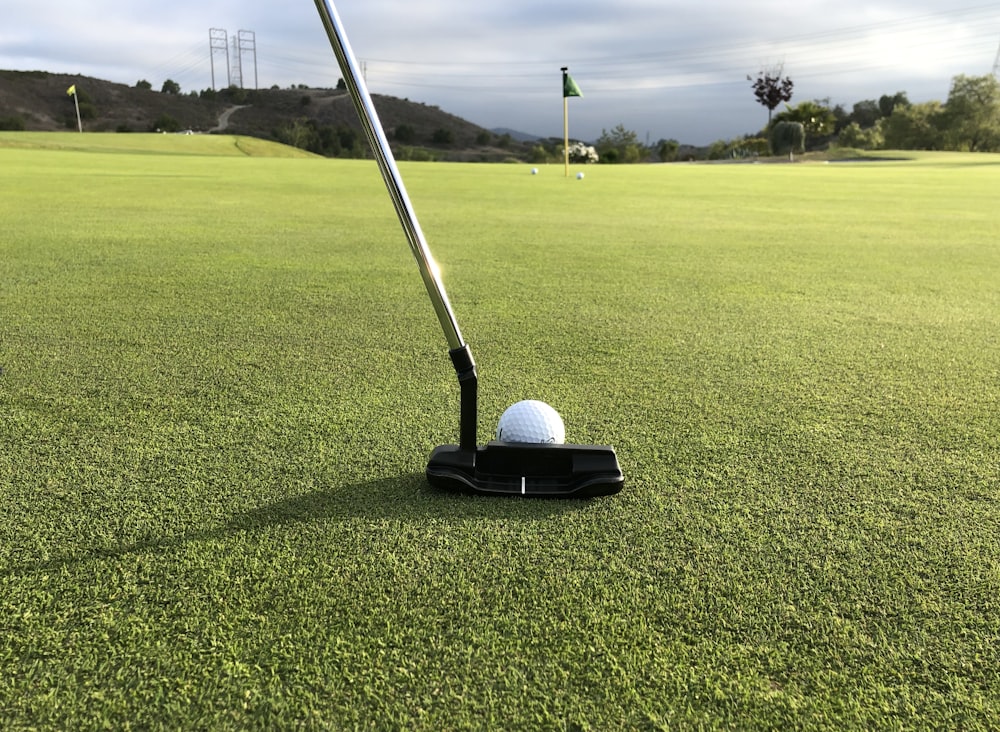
(531, 421)
(534, 171)
(579, 176)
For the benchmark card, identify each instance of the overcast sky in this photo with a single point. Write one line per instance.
(662, 68)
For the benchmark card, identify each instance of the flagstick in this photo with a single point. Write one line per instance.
(565, 70)
(566, 133)
(76, 101)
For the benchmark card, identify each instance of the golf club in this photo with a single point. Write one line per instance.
(505, 468)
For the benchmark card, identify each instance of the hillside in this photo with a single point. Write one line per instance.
(39, 100)
(320, 119)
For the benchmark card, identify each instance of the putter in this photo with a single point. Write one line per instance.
(497, 468)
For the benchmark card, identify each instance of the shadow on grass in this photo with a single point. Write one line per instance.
(405, 499)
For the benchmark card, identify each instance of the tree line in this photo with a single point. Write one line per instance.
(968, 121)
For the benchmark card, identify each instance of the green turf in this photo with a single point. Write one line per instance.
(221, 378)
(151, 144)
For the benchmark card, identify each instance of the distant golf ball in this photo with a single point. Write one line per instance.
(579, 176)
(531, 421)
(534, 171)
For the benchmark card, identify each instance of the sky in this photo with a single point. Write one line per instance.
(664, 69)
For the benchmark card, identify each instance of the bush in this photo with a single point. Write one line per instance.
(863, 139)
(580, 153)
(717, 150)
(415, 154)
(787, 138)
(405, 133)
(666, 150)
(234, 95)
(165, 123)
(539, 154)
(442, 136)
(12, 124)
(750, 147)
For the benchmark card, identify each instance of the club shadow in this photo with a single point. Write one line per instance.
(405, 499)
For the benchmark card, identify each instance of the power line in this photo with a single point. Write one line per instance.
(852, 50)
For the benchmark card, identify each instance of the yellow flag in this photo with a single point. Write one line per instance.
(71, 91)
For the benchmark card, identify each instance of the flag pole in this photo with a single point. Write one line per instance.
(565, 70)
(76, 101)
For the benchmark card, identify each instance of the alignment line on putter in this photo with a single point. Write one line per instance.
(497, 468)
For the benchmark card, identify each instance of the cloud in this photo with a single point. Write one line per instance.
(669, 68)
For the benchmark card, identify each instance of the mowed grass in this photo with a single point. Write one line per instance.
(221, 378)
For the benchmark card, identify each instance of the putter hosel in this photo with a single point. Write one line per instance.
(468, 383)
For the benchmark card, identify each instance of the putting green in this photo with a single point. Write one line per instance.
(221, 379)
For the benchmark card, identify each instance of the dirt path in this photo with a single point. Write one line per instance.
(224, 117)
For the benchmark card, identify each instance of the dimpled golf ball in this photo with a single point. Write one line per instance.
(579, 176)
(534, 171)
(531, 421)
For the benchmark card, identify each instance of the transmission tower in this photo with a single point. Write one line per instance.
(218, 40)
(244, 43)
(236, 75)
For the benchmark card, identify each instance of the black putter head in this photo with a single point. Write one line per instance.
(540, 470)
(524, 469)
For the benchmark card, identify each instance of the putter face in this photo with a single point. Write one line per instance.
(518, 469)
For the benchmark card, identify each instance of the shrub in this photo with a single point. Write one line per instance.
(405, 133)
(787, 138)
(717, 150)
(666, 150)
(750, 147)
(539, 154)
(12, 124)
(580, 153)
(442, 136)
(415, 154)
(165, 123)
(863, 139)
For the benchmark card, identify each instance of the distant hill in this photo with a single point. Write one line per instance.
(39, 101)
(515, 134)
(308, 118)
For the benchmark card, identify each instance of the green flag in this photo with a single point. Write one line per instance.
(570, 89)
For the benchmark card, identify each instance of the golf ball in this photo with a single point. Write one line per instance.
(531, 421)
(579, 176)
(534, 171)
